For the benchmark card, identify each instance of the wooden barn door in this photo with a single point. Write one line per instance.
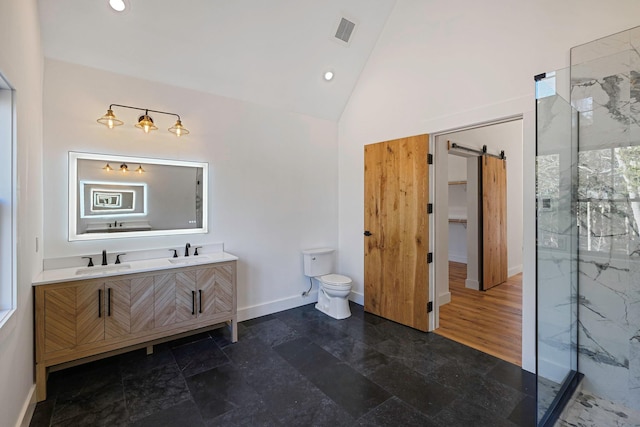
(396, 242)
(494, 221)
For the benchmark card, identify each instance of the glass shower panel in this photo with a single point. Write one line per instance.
(605, 80)
(556, 181)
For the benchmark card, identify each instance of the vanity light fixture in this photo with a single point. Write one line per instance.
(178, 129)
(107, 168)
(140, 170)
(124, 168)
(110, 120)
(145, 122)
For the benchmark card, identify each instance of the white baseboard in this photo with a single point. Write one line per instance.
(357, 297)
(458, 258)
(246, 313)
(28, 408)
(472, 284)
(444, 298)
(517, 269)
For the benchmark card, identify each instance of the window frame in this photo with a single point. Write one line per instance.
(8, 168)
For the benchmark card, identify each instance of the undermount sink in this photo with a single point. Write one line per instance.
(194, 259)
(102, 269)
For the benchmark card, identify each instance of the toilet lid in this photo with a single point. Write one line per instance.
(335, 279)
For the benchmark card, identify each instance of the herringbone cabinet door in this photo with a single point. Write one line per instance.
(59, 319)
(90, 311)
(142, 304)
(224, 289)
(118, 307)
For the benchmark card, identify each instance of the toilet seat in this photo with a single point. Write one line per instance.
(336, 280)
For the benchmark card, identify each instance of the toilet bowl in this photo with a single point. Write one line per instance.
(334, 289)
(333, 295)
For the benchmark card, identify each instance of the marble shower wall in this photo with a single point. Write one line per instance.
(605, 89)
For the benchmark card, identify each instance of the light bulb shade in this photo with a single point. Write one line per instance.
(124, 168)
(178, 129)
(117, 5)
(107, 168)
(145, 122)
(140, 170)
(110, 120)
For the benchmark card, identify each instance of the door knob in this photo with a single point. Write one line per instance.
(367, 233)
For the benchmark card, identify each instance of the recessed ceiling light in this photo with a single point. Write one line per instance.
(328, 75)
(117, 5)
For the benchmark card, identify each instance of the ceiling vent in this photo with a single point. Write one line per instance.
(345, 30)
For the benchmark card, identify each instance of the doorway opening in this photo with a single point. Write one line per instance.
(472, 307)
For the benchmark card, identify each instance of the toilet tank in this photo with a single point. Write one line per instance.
(318, 262)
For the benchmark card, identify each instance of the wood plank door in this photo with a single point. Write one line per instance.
(396, 242)
(494, 221)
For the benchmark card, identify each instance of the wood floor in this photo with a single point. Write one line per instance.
(489, 321)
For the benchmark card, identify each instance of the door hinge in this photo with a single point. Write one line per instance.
(429, 257)
(429, 306)
(430, 208)
(429, 159)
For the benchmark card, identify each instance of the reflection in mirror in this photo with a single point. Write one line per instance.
(160, 197)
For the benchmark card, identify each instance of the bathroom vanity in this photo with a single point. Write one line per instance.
(83, 314)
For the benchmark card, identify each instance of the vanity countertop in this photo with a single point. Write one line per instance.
(140, 266)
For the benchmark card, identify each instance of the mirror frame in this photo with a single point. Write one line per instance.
(73, 196)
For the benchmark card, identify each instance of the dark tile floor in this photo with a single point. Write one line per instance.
(298, 367)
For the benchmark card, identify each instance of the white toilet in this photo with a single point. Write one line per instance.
(334, 289)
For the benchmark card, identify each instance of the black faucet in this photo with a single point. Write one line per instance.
(104, 257)
(186, 249)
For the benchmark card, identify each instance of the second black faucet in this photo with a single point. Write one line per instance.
(186, 249)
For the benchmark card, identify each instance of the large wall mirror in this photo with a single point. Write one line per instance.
(120, 196)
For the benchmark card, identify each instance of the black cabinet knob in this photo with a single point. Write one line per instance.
(367, 233)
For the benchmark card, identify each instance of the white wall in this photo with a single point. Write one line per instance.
(457, 168)
(273, 174)
(457, 171)
(21, 65)
(440, 65)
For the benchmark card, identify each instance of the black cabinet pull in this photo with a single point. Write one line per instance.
(109, 302)
(200, 292)
(193, 302)
(99, 302)
(367, 233)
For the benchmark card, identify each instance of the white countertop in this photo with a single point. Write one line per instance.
(140, 266)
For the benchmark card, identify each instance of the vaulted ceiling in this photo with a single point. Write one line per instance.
(269, 52)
